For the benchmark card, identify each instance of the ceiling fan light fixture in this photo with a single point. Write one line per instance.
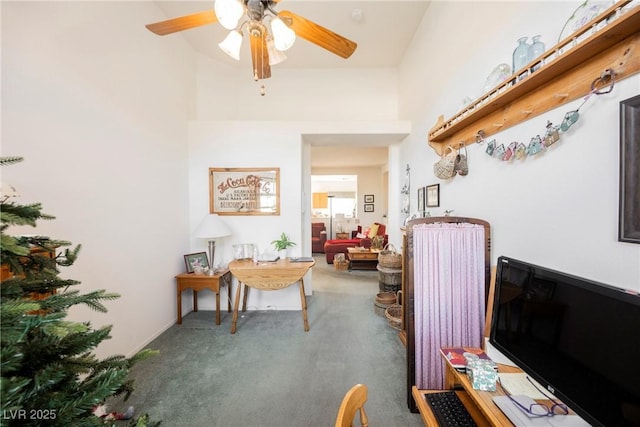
(275, 56)
(231, 44)
(283, 36)
(228, 12)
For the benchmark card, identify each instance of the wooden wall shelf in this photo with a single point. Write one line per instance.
(565, 73)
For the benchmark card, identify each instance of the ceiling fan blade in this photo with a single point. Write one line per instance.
(318, 35)
(259, 55)
(183, 23)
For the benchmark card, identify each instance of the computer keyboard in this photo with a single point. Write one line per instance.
(449, 410)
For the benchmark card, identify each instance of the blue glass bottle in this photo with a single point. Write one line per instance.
(520, 55)
(535, 50)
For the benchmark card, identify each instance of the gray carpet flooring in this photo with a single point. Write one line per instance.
(271, 372)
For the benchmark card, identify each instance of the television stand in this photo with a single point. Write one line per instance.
(479, 403)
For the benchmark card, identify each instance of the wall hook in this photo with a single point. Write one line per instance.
(607, 79)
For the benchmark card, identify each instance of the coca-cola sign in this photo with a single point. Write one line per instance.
(244, 191)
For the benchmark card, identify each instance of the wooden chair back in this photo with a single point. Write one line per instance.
(353, 402)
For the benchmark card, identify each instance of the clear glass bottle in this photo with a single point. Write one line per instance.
(535, 50)
(520, 55)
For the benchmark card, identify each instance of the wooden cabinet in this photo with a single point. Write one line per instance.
(566, 72)
(403, 287)
(7, 274)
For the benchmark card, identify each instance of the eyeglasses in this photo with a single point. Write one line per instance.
(539, 409)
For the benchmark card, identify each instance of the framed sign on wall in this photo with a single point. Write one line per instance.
(244, 191)
(629, 204)
(432, 194)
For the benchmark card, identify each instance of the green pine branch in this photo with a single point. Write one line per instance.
(48, 362)
(7, 160)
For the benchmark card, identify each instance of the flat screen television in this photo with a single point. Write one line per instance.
(578, 338)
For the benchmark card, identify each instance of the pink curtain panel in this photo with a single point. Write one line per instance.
(449, 294)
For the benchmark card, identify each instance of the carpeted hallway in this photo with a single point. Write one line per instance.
(272, 373)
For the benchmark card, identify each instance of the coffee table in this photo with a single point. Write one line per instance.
(362, 259)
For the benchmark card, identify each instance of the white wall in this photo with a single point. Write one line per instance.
(296, 95)
(247, 145)
(559, 209)
(98, 108)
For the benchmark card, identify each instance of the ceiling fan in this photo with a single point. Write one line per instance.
(270, 32)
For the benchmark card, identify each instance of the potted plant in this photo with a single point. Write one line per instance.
(283, 243)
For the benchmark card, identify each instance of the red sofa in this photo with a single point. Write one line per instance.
(339, 246)
(318, 236)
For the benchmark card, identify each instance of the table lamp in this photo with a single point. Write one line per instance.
(212, 227)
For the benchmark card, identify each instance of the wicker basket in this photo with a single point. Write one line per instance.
(383, 301)
(394, 316)
(341, 265)
(386, 298)
(389, 257)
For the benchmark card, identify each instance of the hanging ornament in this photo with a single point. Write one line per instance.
(569, 119)
(521, 151)
(552, 135)
(491, 146)
(535, 146)
(510, 152)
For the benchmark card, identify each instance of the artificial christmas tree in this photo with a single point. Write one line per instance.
(49, 374)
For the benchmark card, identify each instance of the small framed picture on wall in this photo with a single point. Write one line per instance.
(433, 195)
(421, 191)
(368, 198)
(368, 207)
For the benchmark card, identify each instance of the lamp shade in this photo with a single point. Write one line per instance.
(228, 12)
(231, 44)
(211, 227)
(275, 56)
(283, 36)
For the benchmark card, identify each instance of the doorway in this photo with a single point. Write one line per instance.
(335, 202)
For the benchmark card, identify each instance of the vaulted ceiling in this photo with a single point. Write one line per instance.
(381, 28)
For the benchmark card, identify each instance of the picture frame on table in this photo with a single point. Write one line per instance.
(629, 199)
(432, 195)
(197, 259)
(369, 198)
(368, 207)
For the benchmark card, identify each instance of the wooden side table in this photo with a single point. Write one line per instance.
(199, 282)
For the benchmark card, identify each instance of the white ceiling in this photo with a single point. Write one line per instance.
(385, 29)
